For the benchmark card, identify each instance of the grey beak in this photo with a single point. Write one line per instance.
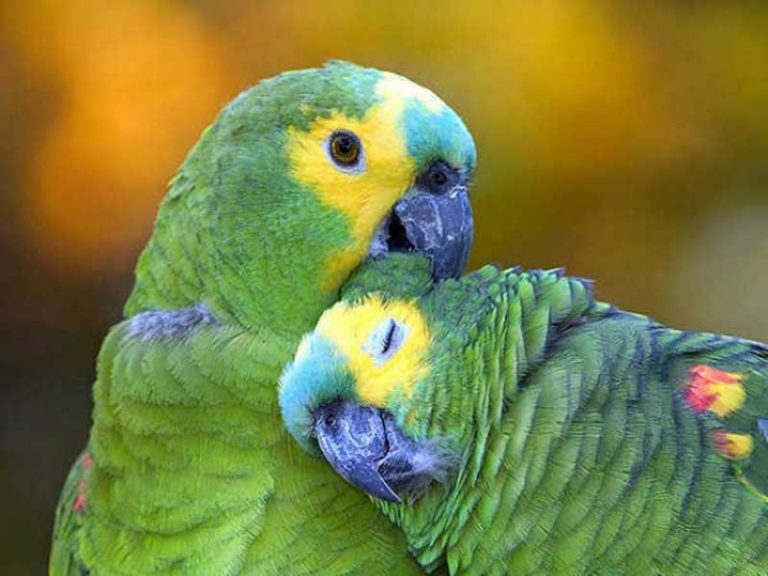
(434, 218)
(440, 226)
(353, 440)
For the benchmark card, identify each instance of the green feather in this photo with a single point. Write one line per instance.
(581, 451)
(193, 472)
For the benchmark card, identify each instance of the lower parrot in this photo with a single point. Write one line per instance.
(188, 469)
(509, 423)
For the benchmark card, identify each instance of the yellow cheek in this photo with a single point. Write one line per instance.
(365, 197)
(349, 329)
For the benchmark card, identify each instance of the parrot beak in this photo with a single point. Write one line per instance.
(366, 447)
(353, 440)
(435, 220)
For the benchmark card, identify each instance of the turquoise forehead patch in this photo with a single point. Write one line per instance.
(318, 377)
(431, 135)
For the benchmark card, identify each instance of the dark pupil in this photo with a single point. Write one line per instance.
(345, 149)
(344, 145)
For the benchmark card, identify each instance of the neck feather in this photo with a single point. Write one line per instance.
(509, 336)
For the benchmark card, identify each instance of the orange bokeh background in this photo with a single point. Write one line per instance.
(626, 142)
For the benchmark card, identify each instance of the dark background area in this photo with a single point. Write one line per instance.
(627, 143)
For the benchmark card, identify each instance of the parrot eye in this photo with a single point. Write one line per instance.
(385, 340)
(345, 150)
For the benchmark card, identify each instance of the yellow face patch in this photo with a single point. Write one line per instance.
(386, 171)
(350, 329)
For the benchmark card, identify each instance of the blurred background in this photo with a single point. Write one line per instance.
(626, 142)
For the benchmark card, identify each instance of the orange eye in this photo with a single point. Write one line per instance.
(345, 149)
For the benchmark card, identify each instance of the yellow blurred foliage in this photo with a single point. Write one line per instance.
(138, 82)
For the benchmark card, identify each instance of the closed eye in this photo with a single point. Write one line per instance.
(385, 340)
(389, 338)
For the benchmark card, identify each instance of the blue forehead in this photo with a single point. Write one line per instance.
(316, 379)
(431, 135)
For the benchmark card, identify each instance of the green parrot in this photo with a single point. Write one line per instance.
(188, 469)
(510, 424)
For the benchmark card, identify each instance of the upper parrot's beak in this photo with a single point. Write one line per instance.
(434, 217)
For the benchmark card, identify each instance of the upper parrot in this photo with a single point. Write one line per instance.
(188, 469)
(531, 430)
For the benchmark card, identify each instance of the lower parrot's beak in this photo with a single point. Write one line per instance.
(354, 441)
(366, 447)
(437, 223)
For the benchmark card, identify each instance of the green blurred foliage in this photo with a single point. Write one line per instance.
(627, 141)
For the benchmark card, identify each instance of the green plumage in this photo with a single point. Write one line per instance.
(190, 470)
(63, 559)
(192, 466)
(235, 229)
(580, 449)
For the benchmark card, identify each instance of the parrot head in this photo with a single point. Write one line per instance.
(300, 179)
(360, 391)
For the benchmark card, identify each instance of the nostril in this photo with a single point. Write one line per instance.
(439, 178)
(326, 418)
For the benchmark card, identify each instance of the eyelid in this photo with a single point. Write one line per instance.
(385, 340)
(389, 337)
